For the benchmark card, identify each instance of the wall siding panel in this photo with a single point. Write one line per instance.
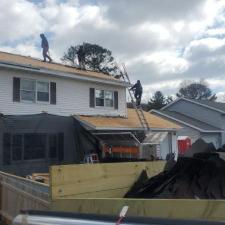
(72, 97)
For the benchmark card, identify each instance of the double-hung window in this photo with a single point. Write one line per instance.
(99, 97)
(42, 91)
(34, 91)
(104, 98)
(108, 98)
(28, 90)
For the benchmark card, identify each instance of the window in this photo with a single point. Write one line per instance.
(104, 98)
(30, 146)
(108, 98)
(17, 147)
(34, 91)
(27, 90)
(99, 96)
(34, 146)
(42, 91)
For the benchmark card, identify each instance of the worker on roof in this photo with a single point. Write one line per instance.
(45, 46)
(137, 88)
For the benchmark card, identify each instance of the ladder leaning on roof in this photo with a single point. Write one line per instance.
(139, 110)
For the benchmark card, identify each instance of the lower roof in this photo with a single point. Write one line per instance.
(130, 123)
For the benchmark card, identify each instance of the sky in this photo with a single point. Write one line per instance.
(161, 43)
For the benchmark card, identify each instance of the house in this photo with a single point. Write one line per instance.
(198, 119)
(39, 98)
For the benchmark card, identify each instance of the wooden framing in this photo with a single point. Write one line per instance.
(109, 180)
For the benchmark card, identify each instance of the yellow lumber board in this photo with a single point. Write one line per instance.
(177, 209)
(100, 180)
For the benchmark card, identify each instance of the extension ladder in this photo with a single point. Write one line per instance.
(138, 108)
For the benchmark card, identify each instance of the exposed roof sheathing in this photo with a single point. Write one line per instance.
(29, 61)
(131, 122)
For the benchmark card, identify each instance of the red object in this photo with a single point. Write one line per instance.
(184, 143)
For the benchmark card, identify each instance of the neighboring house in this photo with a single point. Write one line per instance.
(36, 89)
(198, 118)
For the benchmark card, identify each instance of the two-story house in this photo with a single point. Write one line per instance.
(198, 119)
(49, 110)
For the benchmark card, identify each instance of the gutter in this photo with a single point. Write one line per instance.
(62, 74)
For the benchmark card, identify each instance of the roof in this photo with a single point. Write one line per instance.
(213, 104)
(29, 62)
(217, 106)
(189, 121)
(130, 123)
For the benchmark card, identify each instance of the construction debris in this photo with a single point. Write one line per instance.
(197, 175)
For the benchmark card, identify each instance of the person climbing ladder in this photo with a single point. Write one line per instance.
(137, 88)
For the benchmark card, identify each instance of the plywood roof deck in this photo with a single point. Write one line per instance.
(29, 61)
(131, 122)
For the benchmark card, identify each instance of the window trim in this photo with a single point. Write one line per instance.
(36, 101)
(104, 106)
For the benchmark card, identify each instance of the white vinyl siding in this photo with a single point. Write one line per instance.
(72, 96)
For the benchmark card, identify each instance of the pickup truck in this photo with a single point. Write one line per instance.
(59, 218)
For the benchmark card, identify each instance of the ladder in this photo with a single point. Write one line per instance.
(138, 108)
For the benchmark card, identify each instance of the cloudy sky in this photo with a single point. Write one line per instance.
(161, 42)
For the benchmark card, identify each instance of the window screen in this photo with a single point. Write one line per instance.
(34, 146)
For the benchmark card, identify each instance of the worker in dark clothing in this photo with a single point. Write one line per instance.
(45, 46)
(81, 56)
(137, 88)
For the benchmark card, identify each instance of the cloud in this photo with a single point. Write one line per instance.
(161, 43)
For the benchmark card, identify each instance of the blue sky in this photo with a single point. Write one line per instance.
(162, 43)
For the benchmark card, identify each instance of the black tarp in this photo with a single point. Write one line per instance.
(50, 135)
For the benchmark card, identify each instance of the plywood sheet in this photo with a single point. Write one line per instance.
(98, 180)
